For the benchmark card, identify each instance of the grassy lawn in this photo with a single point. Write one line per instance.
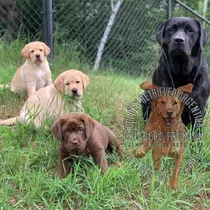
(28, 156)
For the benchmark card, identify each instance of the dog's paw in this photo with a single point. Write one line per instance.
(174, 185)
(139, 152)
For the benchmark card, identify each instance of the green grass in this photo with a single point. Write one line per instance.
(28, 156)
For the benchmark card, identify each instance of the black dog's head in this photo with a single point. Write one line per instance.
(182, 38)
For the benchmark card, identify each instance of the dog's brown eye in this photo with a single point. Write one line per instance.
(32, 51)
(80, 129)
(162, 102)
(41, 50)
(77, 81)
(189, 29)
(175, 103)
(67, 83)
(66, 131)
(172, 29)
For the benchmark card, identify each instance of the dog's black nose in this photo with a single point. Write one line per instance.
(37, 56)
(74, 91)
(178, 40)
(169, 113)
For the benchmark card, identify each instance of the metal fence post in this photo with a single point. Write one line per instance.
(49, 27)
(44, 29)
(169, 9)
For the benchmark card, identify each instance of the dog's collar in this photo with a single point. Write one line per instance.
(168, 67)
(192, 63)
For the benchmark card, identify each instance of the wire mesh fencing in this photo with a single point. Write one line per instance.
(114, 34)
(20, 18)
(130, 45)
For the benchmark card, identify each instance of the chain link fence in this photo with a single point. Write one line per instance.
(130, 45)
(79, 28)
(20, 18)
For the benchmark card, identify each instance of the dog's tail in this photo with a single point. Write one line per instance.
(4, 86)
(10, 121)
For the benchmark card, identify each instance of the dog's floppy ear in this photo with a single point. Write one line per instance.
(57, 128)
(89, 124)
(186, 88)
(202, 40)
(160, 34)
(147, 85)
(59, 83)
(25, 52)
(46, 49)
(85, 80)
(203, 37)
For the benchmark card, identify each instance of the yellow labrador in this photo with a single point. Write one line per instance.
(35, 72)
(63, 96)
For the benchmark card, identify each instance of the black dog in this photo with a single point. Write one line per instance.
(182, 62)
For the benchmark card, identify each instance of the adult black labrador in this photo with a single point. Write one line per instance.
(182, 62)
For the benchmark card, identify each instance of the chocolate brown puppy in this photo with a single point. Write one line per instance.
(79, 134)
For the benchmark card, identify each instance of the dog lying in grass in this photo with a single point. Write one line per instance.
(63, 96)
(79, 134)
(35, 72)
(165, 130)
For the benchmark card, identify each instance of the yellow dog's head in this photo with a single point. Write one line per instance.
(36, 52)
(72, 83)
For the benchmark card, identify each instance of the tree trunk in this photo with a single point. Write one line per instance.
(106, 34)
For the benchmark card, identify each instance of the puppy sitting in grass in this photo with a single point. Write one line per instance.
(79, 134)
(35, 72)
(63, 96)
(165, 131)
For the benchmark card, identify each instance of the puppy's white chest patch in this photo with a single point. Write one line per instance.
(41, 80)
(40, 74)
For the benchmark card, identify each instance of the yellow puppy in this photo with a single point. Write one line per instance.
(35, 72)
(63, 96)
